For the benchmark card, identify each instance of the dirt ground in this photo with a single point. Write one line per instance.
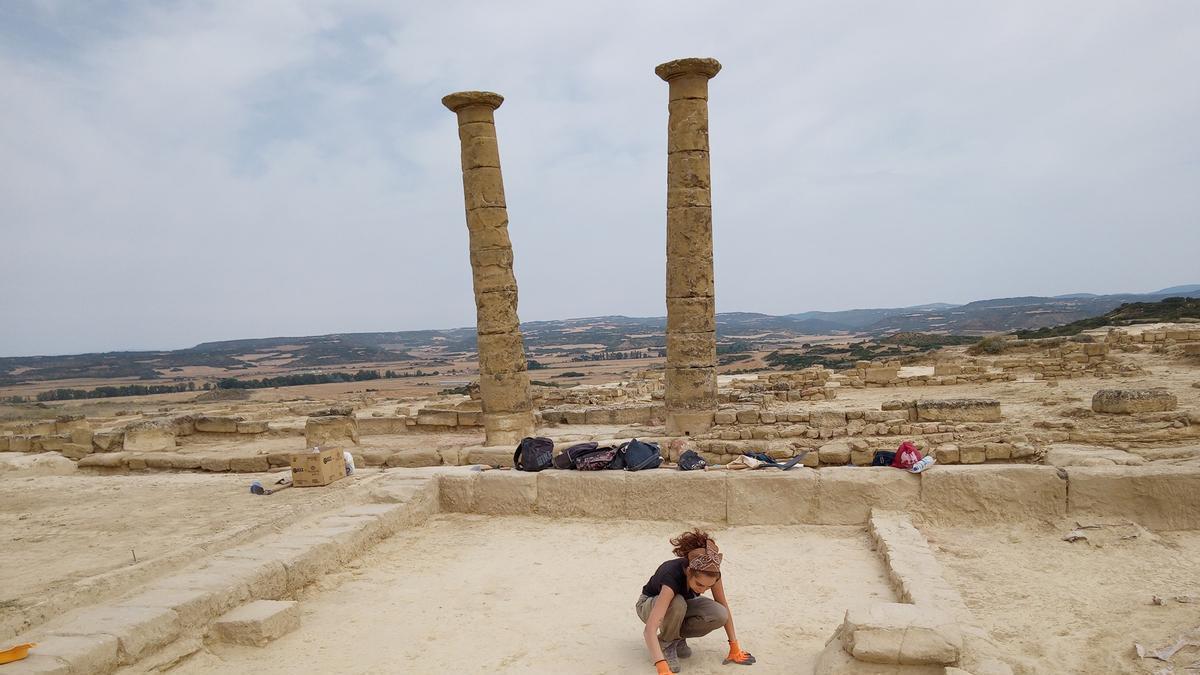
(1077, 607)
(65, 537)
(522, 595)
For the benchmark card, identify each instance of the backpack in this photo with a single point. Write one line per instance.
(596, 458)
(533, 454)
(883, 458)
(639, 455)
(906, 455)
(690, 460)
(569, 458)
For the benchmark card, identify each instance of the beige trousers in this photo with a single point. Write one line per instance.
(685, 618)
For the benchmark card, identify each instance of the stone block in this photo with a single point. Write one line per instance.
(108, 441)
(107, 460)
(69, 654)
(506, 392)
(774, 498)
(507, 429)
(992, 494)
(689, 187)
(691, 315)
(330, 430)
(484, 188)
(138, 630)
(669, 494)
(456, 492)
(502, 353)
(690, 277)
(249, 464)
(959, 410)
(256, 427)
(747, 416)
(687, 125)
(76, 451)
(947, 453)
(691, 389)
(506, 493)
(972, 454)
(836, 453)
(1129, 401)
(194, 607)
(692, 350)
(491, 455)
(414, 458)
(881, 375)
(470, 418)
(835, 660)
(259, 622)
(431, 417)
(496, 309)
(846, 495)
(217, 425)
(902, 634)
(827, 419)
(153, 436)
(1157, 497)
(214, 463)
(688, 422)
(584, 494)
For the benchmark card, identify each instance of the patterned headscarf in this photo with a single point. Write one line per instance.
(707, 559)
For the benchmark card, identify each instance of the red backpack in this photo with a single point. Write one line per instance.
(906, 455)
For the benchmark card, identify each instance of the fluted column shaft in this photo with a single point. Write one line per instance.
(503, 370)
(691, 378)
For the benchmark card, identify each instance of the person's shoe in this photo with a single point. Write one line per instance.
(671, 654)
(683, 650)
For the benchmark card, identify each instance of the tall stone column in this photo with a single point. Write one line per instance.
(691, 395)
(503, 371)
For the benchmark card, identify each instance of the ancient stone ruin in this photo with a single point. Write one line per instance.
(691, 395)
(503, 370)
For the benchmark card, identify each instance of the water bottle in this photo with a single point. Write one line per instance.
(926, 462)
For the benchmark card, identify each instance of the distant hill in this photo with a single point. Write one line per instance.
(1190, 289)
(1167, 310)
(573, 336)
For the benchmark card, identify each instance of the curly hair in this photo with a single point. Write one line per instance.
(688, 541)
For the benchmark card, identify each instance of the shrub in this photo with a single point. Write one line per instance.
(993, 344)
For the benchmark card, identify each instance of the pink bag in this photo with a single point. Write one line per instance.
(906, 455)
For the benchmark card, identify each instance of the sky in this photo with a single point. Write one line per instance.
(180, 172)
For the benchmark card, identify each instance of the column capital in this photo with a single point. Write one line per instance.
(464, 99)
(693, 66)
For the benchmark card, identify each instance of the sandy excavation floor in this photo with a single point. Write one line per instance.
(64, 534)
(521, 595)
(1077, 607)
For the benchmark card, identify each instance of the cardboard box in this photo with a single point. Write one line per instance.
(313, 469)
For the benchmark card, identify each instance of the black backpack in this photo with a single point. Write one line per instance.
(533, 454)
(639, 455)
(690, 460)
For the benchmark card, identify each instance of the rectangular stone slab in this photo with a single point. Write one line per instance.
(992, 493)
(772, 497)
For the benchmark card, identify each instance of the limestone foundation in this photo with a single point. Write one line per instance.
(691, 380)
(503, 375)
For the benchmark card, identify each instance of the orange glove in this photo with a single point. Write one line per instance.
(736, 655)
(662, 667)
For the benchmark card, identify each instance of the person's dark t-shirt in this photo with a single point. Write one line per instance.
(671, 575)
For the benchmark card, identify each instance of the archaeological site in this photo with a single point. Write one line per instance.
(398, 525)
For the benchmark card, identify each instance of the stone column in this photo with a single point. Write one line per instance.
(503, 374)
(691, 395)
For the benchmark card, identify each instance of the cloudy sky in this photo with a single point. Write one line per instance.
(179, 172)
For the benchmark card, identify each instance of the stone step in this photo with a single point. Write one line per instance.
(258, 622)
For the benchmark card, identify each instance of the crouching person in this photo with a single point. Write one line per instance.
(673, 606)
